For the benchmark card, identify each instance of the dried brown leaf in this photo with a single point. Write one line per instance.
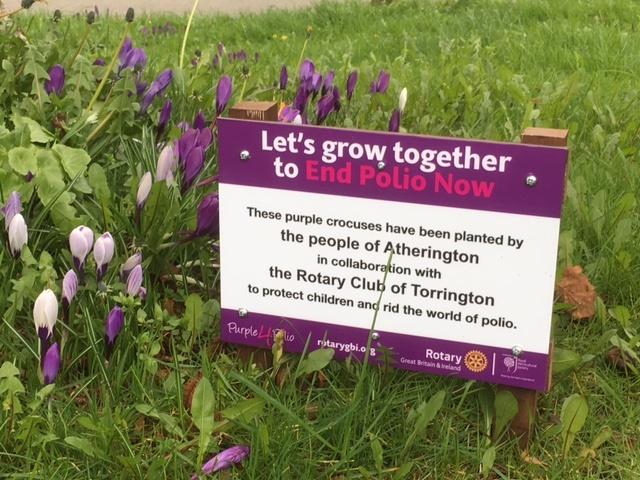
(526, 458)
(619, 359)
(189, 388)
(575, 289)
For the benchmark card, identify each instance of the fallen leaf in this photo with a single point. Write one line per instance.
(526, 458)
(189, 388)
(575, 289)
(619, 359)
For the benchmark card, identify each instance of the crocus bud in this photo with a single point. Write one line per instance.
(103, 253)
(223, 93)
(45, 315)
(18, 235)
(113, 326)
(284, 77)
(55, 84)
(143, 189)
(352, 80)
(167, 164)
(394, 121)
(208, 221)
(80, 243)
(69, 290)
(11, 208)
(131, 262)
(129, 15)
(402, 100)
(134, 281)
(51, 364)
(200, 121)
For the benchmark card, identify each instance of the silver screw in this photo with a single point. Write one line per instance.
(375, 336)
(517, 350)
(245, 155)
(243, 312)
(531, 180)
(381, 165)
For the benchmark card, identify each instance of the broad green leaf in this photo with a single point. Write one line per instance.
(603, 436)
(572, 417)
(37, 133)
(423, 415)
(202, 406)
(98, 181)
(24, 160)
(243, 411)
(73, 160)
(317, 360)
(53, 193)
(192, 319)
(506, 407)
(488, 459)
(565, 360)
(81, 444)
(8, 369)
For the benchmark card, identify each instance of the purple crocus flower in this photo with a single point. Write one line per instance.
(80, 244)
(157, 88)
(135, 58)
(302, 97)
(208, 223)
(45, 316)
(51, 364)
(284, 77)
(131, 262)
(134, 280)
(200, 120)
(55, 84)
(352, 80)
(113, 327)
(165, 116)
(103, 251)
(99, 61)
(69, 290)
(328, 82)
(381, 84)
(11, 208)
(324, 108)
(394, 121)
(225, 459)
(337, 105)
(223, 93)
(307, 69)
(141, 85)
(127, 45)
(167, 163)
(288, 114)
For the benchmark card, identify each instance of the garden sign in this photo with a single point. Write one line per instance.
(311, 216)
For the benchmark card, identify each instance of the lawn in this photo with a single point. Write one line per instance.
(476, 69)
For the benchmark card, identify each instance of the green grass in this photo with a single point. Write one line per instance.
(479, 69)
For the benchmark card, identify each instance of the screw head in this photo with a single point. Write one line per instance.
(243, 312)
(517, 350)
(381, 165)
(531, 180)
(245, 155)
(375, 336)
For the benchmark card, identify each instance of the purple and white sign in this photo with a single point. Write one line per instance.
(309, 217)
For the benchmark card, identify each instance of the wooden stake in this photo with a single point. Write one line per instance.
(522, 424)
(266, 112)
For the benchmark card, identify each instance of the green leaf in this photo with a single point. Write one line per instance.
(403, 471)
(24, 160)
(202, 407)
(317, 360)
(423, 415)
(506, 407)
(243, 411)
(193, 312)
(572, 417)
(8, 369)
(98, 181)
(565, 360)
(73, 160)
(37, 133)
(81, 444)
(488, 459)
(603, 436)
(376, 450)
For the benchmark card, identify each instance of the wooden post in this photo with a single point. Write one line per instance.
(266, 112)
(522, 424)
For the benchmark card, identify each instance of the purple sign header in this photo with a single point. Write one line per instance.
(471, 174)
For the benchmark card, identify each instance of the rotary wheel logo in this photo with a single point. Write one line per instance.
(476, 361)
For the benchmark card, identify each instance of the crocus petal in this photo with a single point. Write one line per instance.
(69, 287)
(144, 188)
(223, 93)
(192, 167)
(134, 280)
(394, 121)
(165, 115)
(45, 311)
(167, 163)
(226, 459)
(324, 108)
(307, 69)
(18, 234)
(157, 88)
(352, 80)
(402, 100)
(55, 84)
(51, 364)
(11, 208)
(208, 223)
(284, 77)
(113, 325)
(199, 121)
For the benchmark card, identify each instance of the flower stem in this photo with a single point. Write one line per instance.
(82, 42)
(186, 32)
(107, 71)
(100, 126)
